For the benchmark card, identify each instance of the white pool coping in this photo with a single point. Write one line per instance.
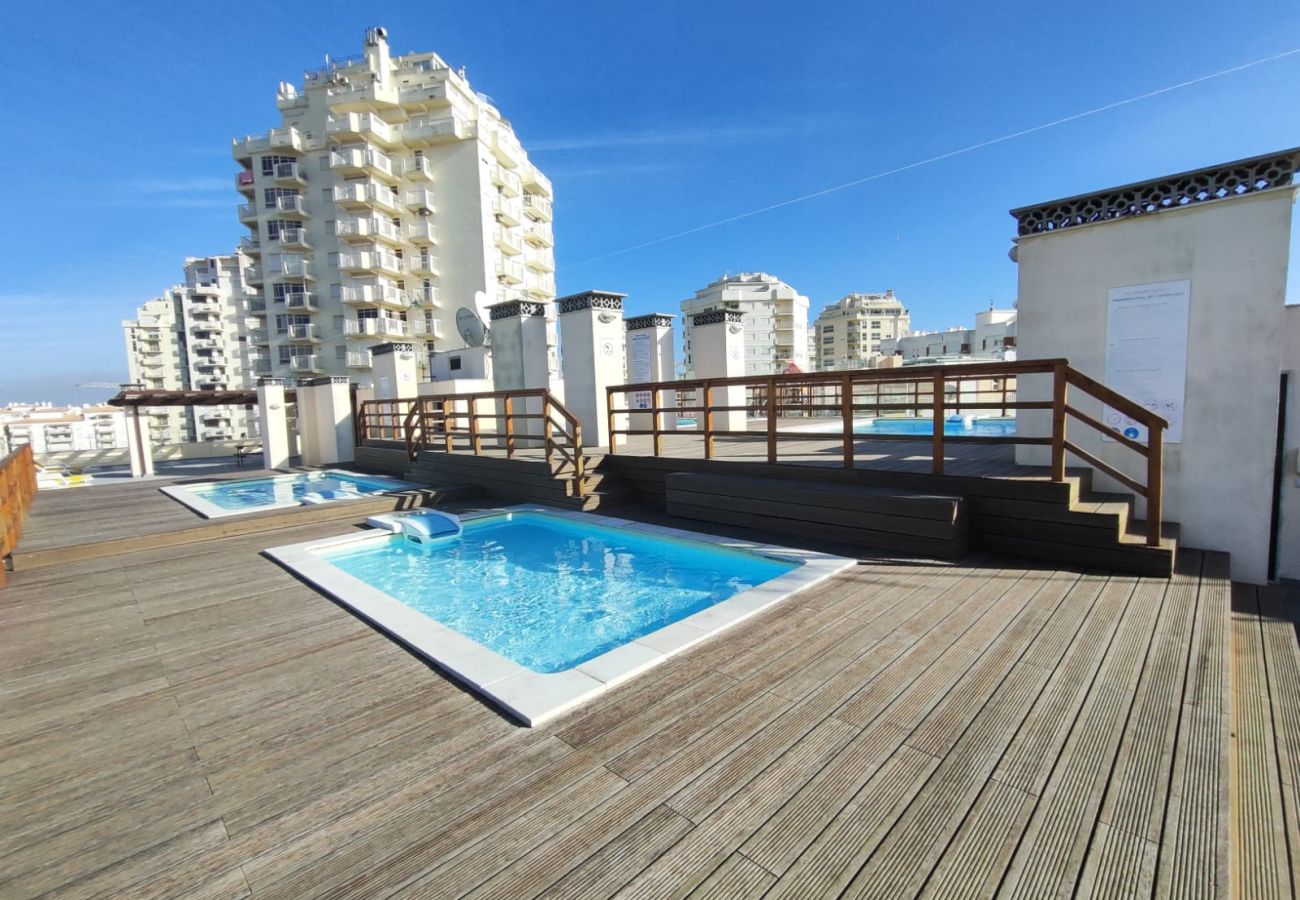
(535, 697)
(186, 494)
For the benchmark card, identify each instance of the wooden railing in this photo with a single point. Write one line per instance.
(17, 488)
(929, 392)
(497, 421)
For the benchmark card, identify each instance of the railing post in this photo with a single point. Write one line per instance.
(473, 427)
(1155, 483)
(548, 430)
(771, 421)
(708, 420)
(448, 416)
(846, 418)
(936, 427)
(656, 427)
(1058, 422)
(579, 464)
(609, 415)
(508, 406)
(408, 429)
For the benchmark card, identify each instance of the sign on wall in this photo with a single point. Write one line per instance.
(639, 366)
(1146, 353)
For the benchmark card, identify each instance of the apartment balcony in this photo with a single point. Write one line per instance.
(289, 205)
(257, 305)
(418, 198)
(279, 140)
(505, 295)
(289, 174)
(383, 295)
(218, 434)
(425, 97)
(510, 272)
(537, 207)
(376, 328)
(370, 262)
(541, 261)
(417, 168)
(244, 183)
(213, 365)
(506, 211)
(368, 126)
(361, 161)
(253, 275)
(362, 97)
(424, 297)
(304, 333)
(422, 264)
(539, 235)
(368, 230)
(421, 233)
(422, 328)
(305, 365)
(507, 181)
(358, 359)
(248, 213)
(505, 146)
(300, 302)
(206, 343)
(426, 132)
(212, 383)
(206, 314)
(294, 239)
(368, 195)
(260, 367)
(535, 182)
(294, 267)
(539, 290)
(259, 336)
(251, 246)
(507, 241)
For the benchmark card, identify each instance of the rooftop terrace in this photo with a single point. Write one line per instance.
(195, 721)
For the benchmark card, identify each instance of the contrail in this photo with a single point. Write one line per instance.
(1074, 117)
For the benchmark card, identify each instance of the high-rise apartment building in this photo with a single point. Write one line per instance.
(199, 335)
(851, 330)
(773, 314)
(60, 429)
(390, 196)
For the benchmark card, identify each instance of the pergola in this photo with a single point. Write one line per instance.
(133, 398)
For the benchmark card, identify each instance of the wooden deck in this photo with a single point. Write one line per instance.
(196, 722)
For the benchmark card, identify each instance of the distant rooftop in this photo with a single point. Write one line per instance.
(1218, 182)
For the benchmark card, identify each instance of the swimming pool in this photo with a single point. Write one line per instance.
(540, 609)
(953, 426)
(216, 499)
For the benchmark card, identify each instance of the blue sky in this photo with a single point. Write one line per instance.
(650, 118)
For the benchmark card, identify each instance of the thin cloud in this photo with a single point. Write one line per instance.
(182, 185)
(695, 135)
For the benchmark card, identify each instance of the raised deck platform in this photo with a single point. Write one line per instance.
(198, 722)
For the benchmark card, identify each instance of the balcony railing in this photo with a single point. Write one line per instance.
(506, 210)
(288, 204)
(248, 212)
(538, 234)
(508, 181)
(361, 124)
(371, 295)
(259, 336)
(304, 301)
(511, 272)
(358, 359)
(427, 131)
(286, 138)
(289, 172)
(294, 237)
(421, 233)
(418, 169)
(250, 245)
(257, 305)
(356, 159)
(244, 182)
(253, 275)
(368, 229)
(305, 364)
(369, 194)
(293, 267)
(376, 328)
(370, 261)
(538, 206)
(304, 331)
(426, 297)
(507, 241)
(417, 198)
(422, 264)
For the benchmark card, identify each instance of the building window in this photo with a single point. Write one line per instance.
(454, 363)
(270, 162)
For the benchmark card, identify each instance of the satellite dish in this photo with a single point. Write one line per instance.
(472, 330)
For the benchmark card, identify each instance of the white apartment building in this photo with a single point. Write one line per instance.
(390, 196)
(200, 335)
(53, 429)
(992, 338)
(850, 332)
(774, 316)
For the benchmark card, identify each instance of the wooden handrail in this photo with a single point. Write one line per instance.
(17, 489)
(934, 391)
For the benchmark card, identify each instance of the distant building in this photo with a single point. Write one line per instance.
(850, 332)
(390, 196)
(774, 316)
(54, 429)
(203, 334)
(993, 337)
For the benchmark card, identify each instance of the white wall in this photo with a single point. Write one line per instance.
(1219, 480)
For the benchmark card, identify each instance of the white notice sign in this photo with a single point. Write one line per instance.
(1146, 353)
(639, 367)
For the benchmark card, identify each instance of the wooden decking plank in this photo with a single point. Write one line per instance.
(1260, 867)
(1121, 864)
(980, 851)
(736, 877)
(1050, 856)
(1194, 859)
(1282, 661)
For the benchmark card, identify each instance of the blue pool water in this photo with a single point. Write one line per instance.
(551, 593)
(976, 427)
(253, 493)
